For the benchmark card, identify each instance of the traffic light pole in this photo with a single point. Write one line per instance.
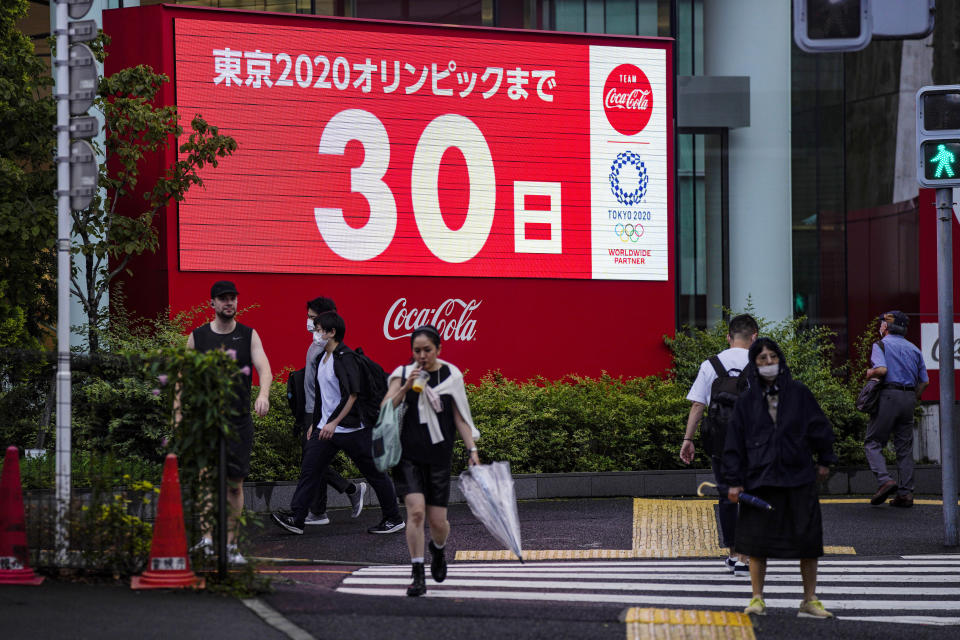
(62, 65)
(947, 351)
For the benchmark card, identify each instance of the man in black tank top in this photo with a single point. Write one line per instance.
(224, 332)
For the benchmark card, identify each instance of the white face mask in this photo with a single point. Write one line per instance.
(319, 340)
(310, 325)
(769, 371)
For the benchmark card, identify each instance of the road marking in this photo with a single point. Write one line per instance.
(661, 529)
(275, 619)
(743, 588)
(666, 601)
(667, 624)
(913, 591)
(934, 620)
(301, 571)
(866, 500)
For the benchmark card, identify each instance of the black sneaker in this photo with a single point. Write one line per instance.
(387, 526)
(288, 523)
(438, 563)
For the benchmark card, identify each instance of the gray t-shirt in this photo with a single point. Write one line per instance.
(310, 378)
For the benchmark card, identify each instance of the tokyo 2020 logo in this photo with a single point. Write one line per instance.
(626, 167)
(628, 232)
(627, 99)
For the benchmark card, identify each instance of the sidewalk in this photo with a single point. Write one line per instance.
(77, 610)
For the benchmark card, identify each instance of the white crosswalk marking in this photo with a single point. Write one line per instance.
(921, 590)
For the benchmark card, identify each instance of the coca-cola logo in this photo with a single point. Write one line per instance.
(451, 318)
(628, 99)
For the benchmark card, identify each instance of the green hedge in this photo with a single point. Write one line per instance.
(540, 426)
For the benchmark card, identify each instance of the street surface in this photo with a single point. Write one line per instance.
(619, 568)
(592, 565)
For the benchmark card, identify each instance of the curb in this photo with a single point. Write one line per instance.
(263, 497)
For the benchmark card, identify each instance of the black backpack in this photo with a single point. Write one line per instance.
(723, 395)
(296, 397)
(373, 387)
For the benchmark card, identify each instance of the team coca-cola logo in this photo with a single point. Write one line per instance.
(451, 318)
(628, 99)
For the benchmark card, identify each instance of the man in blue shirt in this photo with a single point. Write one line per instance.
(899, 364)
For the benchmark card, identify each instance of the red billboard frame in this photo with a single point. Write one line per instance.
(522, 326)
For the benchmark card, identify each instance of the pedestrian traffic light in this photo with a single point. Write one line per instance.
(831, 25)
(938, 136)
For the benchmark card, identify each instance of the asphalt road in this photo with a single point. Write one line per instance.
(307, 595)
(312, 600)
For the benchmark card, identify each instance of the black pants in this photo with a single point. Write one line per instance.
(317, 455)
(318, 505)
(726, 510)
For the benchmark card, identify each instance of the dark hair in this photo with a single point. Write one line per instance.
(321, 305)
(758, 346)
(331, 320)
(743, 326)
(426, 330)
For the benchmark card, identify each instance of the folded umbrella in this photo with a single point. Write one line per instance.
(489, 491)
(754, 501)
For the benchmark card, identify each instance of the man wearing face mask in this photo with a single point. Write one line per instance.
(899, 364)
(304, 413)
(742, 332)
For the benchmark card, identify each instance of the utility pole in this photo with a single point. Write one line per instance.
(76, 85)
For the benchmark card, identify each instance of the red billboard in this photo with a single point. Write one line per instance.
(514, 188)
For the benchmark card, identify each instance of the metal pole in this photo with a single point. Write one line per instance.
(222, 508)
(62, 70)
(947, 350)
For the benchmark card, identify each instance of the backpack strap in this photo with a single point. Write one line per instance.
(718, 367)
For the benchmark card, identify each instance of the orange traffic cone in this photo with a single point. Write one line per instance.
(169, 566)
(14, 553)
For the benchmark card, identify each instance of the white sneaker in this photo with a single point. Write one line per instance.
(313, 518)
(356, 499)
(205, 545)
(234, 556)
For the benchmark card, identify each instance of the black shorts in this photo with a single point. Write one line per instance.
(431, 480)
(239, 448)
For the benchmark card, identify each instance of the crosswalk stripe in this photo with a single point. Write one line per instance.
(742, 588)
(669, 601)
(916, 589)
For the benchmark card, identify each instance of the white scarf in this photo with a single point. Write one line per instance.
(452, 386)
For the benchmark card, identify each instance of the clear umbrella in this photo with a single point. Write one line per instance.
(490, 495)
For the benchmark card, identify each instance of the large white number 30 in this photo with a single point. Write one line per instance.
(373, 238)
(443, 132)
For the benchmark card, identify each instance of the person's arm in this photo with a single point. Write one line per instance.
(876, 373)
(397, 390)
(687, 449)
(262, 365)
(467, 435)
(921, 386)
(878, 361)
(328, 429)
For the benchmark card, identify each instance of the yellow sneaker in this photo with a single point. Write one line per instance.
(757, 606)
(813, 609)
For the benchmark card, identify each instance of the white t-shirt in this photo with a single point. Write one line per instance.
(733, 358)
(329, 393)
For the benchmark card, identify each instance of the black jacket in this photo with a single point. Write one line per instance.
(760, 453)
(348, 375)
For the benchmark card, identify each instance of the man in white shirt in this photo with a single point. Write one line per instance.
(742, 331)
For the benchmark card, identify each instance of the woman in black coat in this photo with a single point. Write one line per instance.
(776, 430)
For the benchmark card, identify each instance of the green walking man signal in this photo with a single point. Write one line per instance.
(938, 136)
(944, 160)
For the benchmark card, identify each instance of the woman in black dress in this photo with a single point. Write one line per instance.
(432, 420)
(776, 430)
